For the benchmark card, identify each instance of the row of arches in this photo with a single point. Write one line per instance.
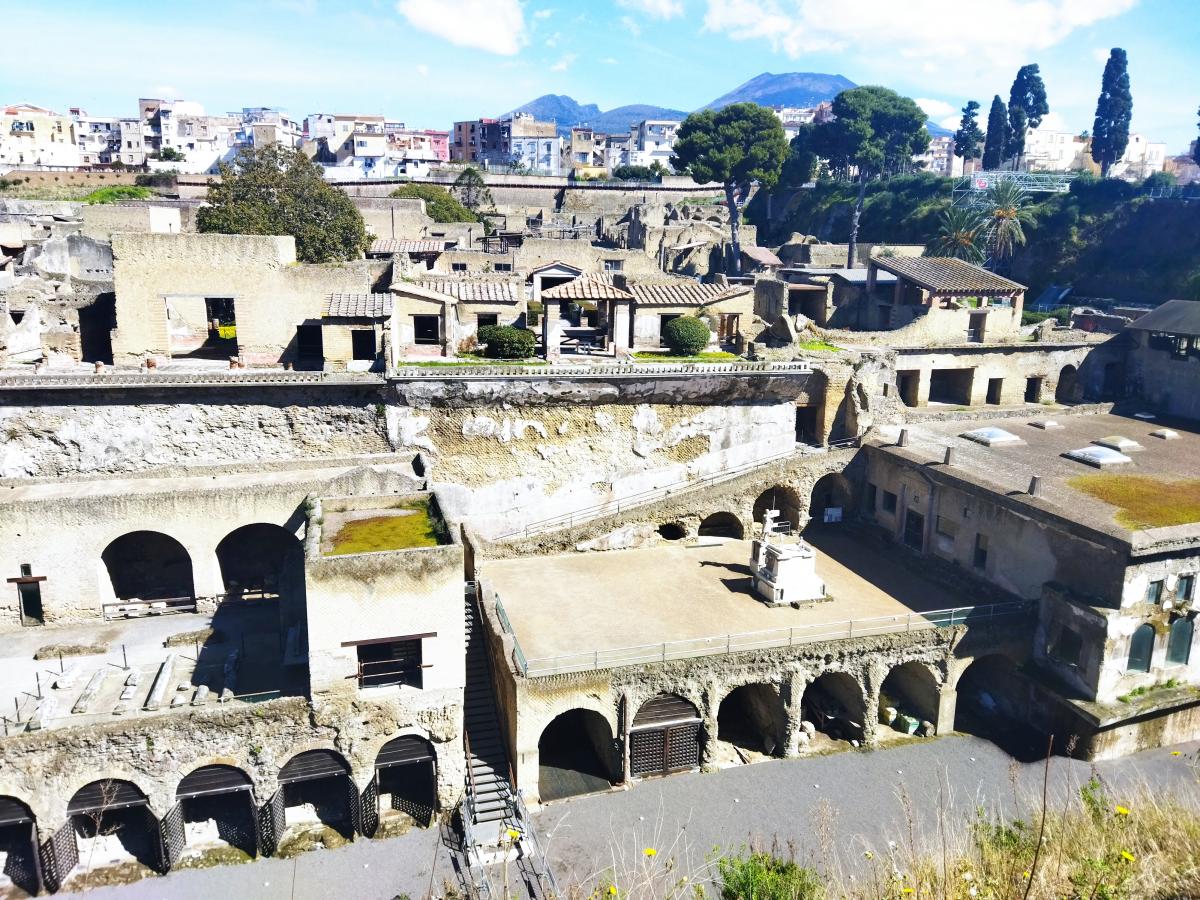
(578, 752)
(150, 565)
(111, 819)
(831, 492)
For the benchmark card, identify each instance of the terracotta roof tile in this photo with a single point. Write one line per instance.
(587, 287)
(475, 290)
(389, 245)
(358, 306)
(946, 275)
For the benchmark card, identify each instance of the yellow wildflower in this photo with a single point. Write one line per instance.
(612, 890)
(1121, 811)
(513, 835)
(906, 890)
(1174, 752)
(1127, 856)
(650, 851)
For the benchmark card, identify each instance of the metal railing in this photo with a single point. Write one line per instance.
(518, 654)
(638, 369)
(720, 645)
(168, 378)
(615, 507)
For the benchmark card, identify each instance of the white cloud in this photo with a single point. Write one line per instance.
(497, 26)
(543, 13)
(935, 108)
(951, 122)
(1101, 54)
(656, 9)
(996, 32)
(609, 61)
(564, 63)
(630, 24)
(423, 70)
(553, 40)
(165, 92)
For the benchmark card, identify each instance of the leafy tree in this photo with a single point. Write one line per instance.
(876, 132)
(634, 173)
(1196, 145)
(969, 137)
(440, 204)
(737, 145)
(802, 160)
(686, 335)
(278, 190)
(1026, 107)
(170, 154)
(1008, 214)
(471, 190)
(1114, 109)
(960, 235)
(997, 134)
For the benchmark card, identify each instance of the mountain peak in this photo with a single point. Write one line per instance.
(785, 89)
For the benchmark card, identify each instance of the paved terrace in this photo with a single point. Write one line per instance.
(595, 610)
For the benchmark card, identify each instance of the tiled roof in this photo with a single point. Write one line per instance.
(358, 306)
(762, 256)
(475, 291)
(946, 275)
(1173, 317)
(683, 293)
(389, 245)
(587, 287)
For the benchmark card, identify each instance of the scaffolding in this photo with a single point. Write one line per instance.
(971, 190)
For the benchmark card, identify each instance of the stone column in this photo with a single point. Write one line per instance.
(620, 324)
(792, 694)
(924, 377)
(206, 572)
(552, 329)
(947, 702)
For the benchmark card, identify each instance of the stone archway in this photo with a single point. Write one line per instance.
(18, 846)
(318, 790)
(1067, 389)
(835, 706)
(830, 500)
(148, 565)
(784, 499)
(260, 559)
(664, 737)
(724, 525)
(112, 820)
(576, 755)
(989, 704)
(217, 806)
(406, 773)
(752, 720)
(909, 696)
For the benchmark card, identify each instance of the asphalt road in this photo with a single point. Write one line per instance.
(851, 798)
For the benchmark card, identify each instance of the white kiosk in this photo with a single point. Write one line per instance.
(785, 570)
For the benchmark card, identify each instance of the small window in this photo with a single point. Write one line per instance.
(981, 551)
(1141, 649)
(503, 267)
(871, 498)
(1154, 592)
(1068, 648)
(614, 265)
(946, 527)
(1185, 587)
(485, 319)
(362, 344)
(427, 330)
(390, 662)
(458, 267)
(889, 502)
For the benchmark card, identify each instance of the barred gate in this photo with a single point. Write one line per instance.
(60, 854)
(355, 805)
(271, 822)
(174, 839)
(370, 807)
(664, 737)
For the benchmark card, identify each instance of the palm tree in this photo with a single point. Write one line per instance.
(960, 235)
(1006, 217)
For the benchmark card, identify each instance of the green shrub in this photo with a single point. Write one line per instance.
(440, 204)
(507, 342)
(686, 336)
(761, 876)
(116, 193)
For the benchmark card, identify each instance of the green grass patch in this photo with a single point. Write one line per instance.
(715, 356)
(476, 362)
(1147, 689)
(1144, 501)
(404, 529)
(819, 345)
(117, 192)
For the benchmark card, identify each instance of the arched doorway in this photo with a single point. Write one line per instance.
(260, 559)
(1067, 389)
(576, 756)
(148, 565)
(664, 737)
(217, 807)
(672, 531)
(989, 704)
(830, 501)
(835, 705)
(112, 821)
(317, 789)
(784, 499)
(18, 847)
(751, 718)
(723, 525)
(406, 778)
(911, 691)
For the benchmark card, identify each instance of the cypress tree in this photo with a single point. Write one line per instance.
(1114, 109)
(1026, 107)
(997, 134)
(968, 137)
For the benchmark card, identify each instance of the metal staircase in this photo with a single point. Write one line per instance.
(492, 821)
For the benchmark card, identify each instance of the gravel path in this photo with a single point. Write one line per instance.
(851, 796)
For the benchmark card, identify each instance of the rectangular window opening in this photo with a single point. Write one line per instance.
(889, 502)
(390, 663)
(362, 344)
(981, 551)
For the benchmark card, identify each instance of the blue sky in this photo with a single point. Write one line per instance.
(429, 62)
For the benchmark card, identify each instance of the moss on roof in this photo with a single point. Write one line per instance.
(1144, 501)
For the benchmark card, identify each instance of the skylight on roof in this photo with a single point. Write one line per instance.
(1098, 457)
(1047, 425)
(1166, 434)
(1118, 442)
(991, 437)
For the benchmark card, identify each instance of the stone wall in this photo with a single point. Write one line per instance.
(1010, 364)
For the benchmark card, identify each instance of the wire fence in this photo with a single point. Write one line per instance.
(720, 645)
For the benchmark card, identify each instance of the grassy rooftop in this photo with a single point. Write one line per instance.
(1144, 501)
(405, 528)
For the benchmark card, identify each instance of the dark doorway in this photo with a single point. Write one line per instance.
(751, 717)
(1114, 381)
(221, 330)
(575, 755)
(1067, 389)
(218, 802)
(362, 344)
(96, 322)
(914, 529)
(976, 325)
(310, 346)
(116, 814)
(318, 782)
(427, 330)
(909, 384)
(951, 386)
(834, 704)
(1033, 390)
(995, 390)
(260, 560)
(806, 425)
(30, 595)
(831, 498)
(722, 524)
(148, 565)
(672, 531)
(783, 499)
(407, 771)
(19, 845)
(663, 319)
(990, 705)
(664, 737)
